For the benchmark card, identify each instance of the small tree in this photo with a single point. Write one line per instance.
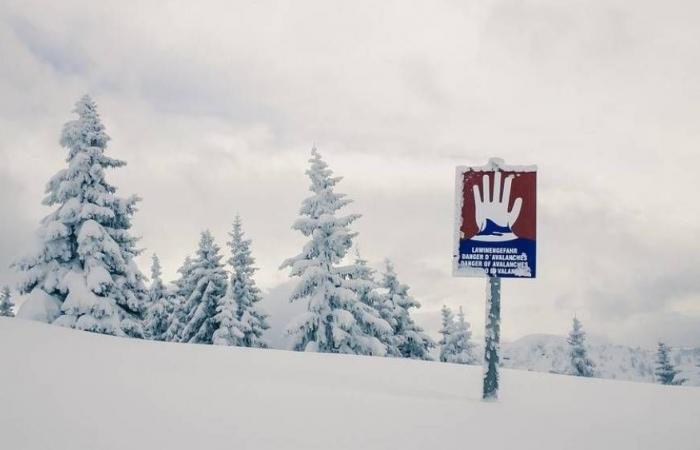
(446, 330)
(360, 279)
(462, 344)
(665, 370)
(157, 318)
(181, 292)
(581, 365)
(252, 321)
(208, 280)
(228, 331)
(6, 303)
(409, 339)
(455, 344)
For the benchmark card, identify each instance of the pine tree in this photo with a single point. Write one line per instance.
(245, 294)
(409, 339)
(581, 365)
(463, 348)
(6, 303)
(665, 371)
(447, 331)
(86, 261)
(156, 290)
(360, 279)
(335, 320)
(159, 309)
(229, 329)
(208, 278)
(183, 290)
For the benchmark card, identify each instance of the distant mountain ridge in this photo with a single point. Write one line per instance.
(550, 353)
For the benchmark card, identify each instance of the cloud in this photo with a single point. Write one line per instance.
(215, 107)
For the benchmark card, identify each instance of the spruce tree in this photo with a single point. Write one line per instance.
(156, 290)
(665, 371)
(361, 280)
(86, 260)
(462, 346)
(159, 309)
(409, 339)
(6, 303)
(182, 291)
(447, 331)
(335, 320)
(228, 328)
(581, 365)
(208, 280)
(245, 294)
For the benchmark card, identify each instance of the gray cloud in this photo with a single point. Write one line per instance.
(215, 108)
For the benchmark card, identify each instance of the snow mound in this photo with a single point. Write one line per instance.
(67, 389)
(39, 306)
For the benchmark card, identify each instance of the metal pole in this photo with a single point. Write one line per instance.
(492, 349)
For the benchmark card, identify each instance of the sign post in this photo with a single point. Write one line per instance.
(495, 237)
(492, 338)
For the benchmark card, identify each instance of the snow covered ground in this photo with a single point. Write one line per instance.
(65, 389)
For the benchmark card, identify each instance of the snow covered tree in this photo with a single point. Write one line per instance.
(447, 331)
(360, 279)
(409, 339)
(181, 292)
(581, 365)
(6, 303)
(208, 279)
(84, 275)
(455, 344)
(228, 331)
(463, 346)
(245, 294)
(665, 370)
(159, 309)
(335, 320)
(156, 290)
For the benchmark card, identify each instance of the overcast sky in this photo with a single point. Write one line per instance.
(216, 106)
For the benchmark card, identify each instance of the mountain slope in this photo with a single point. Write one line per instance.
(64, 389)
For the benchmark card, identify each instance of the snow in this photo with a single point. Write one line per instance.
(39, 306)
(67, 389)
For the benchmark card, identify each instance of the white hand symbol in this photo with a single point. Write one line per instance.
(496, 209)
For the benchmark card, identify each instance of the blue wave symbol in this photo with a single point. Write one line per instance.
(493, 229)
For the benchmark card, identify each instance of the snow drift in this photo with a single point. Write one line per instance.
(67, 389)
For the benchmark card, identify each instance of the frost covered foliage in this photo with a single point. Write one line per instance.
(409, 340)
(229, 329)
(85, 263)
(581, 365)
(6, 303)
(159, 309)
(455, 344)
(207, 281)
(245, 294)
(360, 279)
(182, 290)
(335, 320)
(665, 370)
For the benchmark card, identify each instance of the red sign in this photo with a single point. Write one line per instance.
(495, 221)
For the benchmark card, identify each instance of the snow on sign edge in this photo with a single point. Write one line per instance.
(493, 164)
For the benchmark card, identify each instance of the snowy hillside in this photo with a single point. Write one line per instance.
(66, 389)
(549, 353)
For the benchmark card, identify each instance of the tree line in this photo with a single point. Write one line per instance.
(84, 275)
